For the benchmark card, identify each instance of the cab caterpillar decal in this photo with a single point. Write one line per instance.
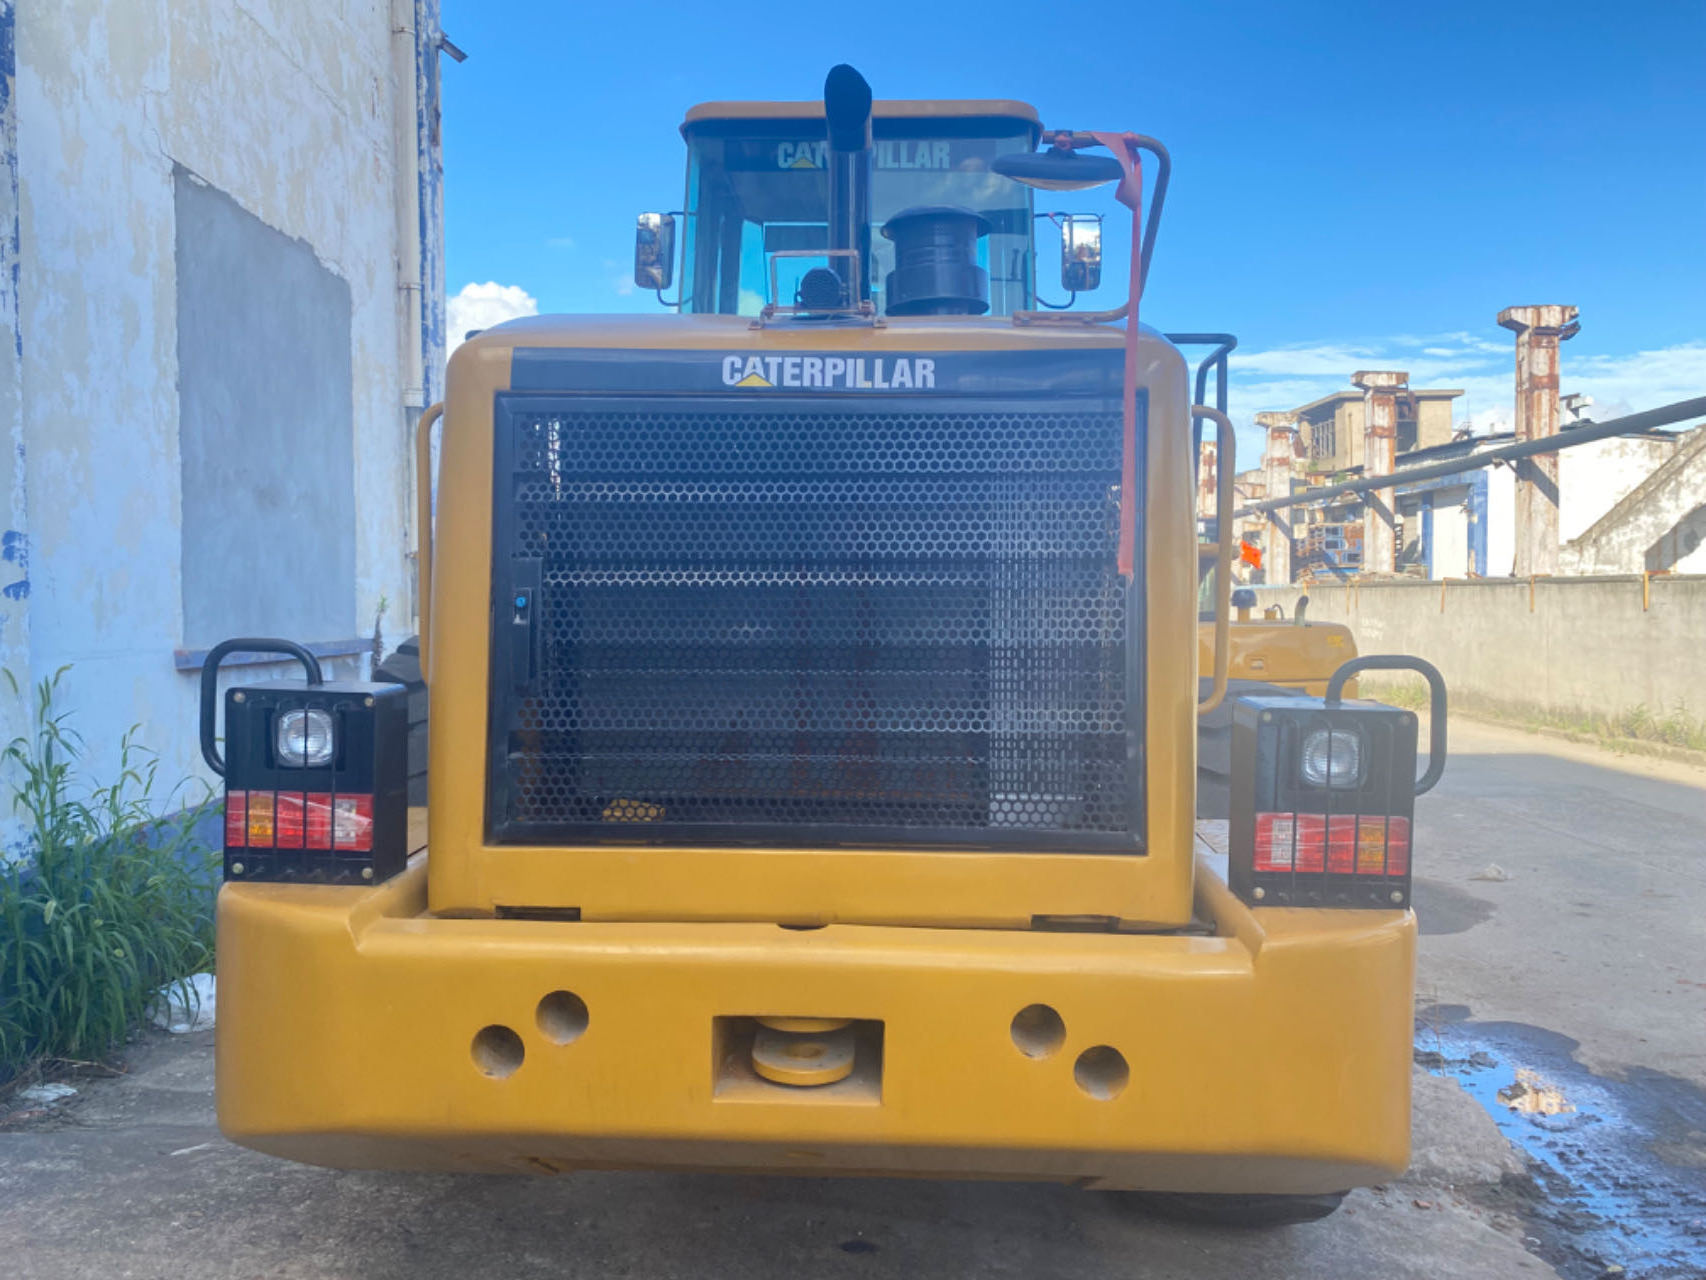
(898, 153)
(831, 373)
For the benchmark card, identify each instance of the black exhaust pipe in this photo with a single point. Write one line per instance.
(847, 112)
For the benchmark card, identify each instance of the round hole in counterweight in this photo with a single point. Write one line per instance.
(1102, 1072)
(562, 1017)
(1038, 1031)
(498, 1051)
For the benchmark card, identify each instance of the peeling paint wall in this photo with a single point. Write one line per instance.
(14, 539)
(1648, 529)
(292, 109)
(1594, 478)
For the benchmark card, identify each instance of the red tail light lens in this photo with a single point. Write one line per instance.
(352, 820)
(298, 820)
(236, 819)
(290, 819)
(1337, 844)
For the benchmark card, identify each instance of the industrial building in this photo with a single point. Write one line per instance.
(222, 293)
(1624, 504)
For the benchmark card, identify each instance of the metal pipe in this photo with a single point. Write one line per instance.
(1624, 426)
(847, 115)
(423, 526)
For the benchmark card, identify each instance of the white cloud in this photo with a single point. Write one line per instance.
(1325, 358)
(621, 278)
(1644, 380)
(480, 306)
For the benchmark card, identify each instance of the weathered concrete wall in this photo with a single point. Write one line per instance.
(1594, 478)
(293, 110)
(1572, 646)
(14, 541)
(1618, 542)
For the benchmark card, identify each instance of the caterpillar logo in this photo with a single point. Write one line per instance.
(831, 373)
(887, 154)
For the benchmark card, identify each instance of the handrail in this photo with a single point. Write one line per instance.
(1225, 471)
(423, 523)
(1224, 344)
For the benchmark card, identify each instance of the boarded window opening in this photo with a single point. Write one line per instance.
(266, 424)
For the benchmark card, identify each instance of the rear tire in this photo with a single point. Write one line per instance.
(1254, 1211)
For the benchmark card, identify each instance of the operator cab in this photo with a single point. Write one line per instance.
(758, 187)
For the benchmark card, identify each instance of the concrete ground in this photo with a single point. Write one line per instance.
(1560, 891)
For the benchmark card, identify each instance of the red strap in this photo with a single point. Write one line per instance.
(1130, 194)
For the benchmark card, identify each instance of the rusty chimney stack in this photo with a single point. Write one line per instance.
(1277, 471)
(1538, 331)
(1208, 479)
(1381, 389)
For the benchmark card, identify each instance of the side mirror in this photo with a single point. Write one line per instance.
(1080, 252)
(654, 250)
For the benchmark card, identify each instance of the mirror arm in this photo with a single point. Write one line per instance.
(1157, 200)
(681, 295)
(1072, 297)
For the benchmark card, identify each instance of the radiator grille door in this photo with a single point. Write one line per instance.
(760, 620)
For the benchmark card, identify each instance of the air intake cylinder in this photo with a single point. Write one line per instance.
(935, 256)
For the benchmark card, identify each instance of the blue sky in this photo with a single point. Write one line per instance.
(1349, 191)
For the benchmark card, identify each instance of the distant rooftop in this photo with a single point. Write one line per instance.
(1340, 397)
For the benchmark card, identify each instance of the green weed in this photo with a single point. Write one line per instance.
(108, 903)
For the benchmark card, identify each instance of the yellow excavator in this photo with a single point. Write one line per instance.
(814, 700)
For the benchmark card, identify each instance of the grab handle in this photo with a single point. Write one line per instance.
(210, 684)
(1436, 702)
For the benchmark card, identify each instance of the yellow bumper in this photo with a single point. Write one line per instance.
(1272, 1056)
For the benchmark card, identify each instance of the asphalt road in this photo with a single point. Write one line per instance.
(1560, 894)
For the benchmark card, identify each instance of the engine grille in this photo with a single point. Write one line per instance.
(761, 620)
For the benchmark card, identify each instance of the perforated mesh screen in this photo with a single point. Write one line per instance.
(845, 620)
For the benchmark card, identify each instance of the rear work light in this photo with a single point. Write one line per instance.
(1323, 794)
(316, 776)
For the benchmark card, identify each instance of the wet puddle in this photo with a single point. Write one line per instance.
(1620, 1164)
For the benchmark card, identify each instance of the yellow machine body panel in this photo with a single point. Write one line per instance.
(870, 885)
(1294, 655)
(1268, 1052)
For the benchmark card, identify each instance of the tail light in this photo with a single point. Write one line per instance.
(1323, 795)
(316, 774)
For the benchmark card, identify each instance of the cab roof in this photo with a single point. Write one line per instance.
(882, 109)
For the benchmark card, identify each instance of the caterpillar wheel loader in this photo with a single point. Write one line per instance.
(814, 701)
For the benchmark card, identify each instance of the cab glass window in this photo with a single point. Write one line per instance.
(756, 187)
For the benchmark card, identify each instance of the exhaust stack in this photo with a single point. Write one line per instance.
(847, 112)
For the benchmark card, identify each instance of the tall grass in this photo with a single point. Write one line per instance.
(108, 902)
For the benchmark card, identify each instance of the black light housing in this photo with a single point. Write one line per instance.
(294, 810)
(1323, 794)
